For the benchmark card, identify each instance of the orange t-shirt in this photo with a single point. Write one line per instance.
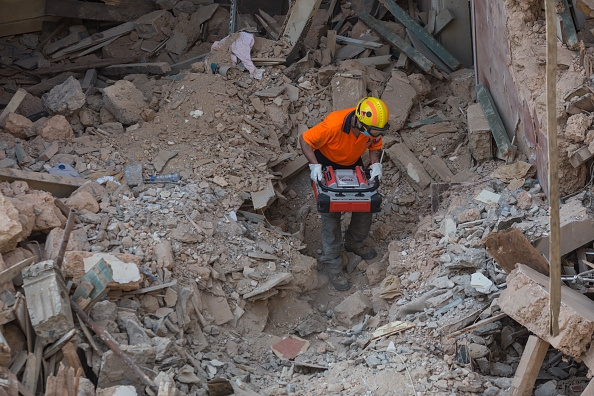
(334, 139)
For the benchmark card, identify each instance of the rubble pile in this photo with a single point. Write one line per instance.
(158, 235)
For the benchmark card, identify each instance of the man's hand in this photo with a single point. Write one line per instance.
(316, 172)
(376, 170)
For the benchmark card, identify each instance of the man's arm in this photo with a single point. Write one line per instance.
(308, 151)
(374, 155)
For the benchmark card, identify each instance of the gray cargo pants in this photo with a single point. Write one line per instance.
(330, 260)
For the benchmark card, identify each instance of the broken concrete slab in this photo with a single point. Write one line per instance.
(114, 372)
(263, 291)
(263, 198)
(125, 268)
(10, 226)
(348, 91)
(161, 159)
(487, 197)
(399, 96)
(408, 163)
(479, 133)
(125, 102)
(65, 98)
(526, 300)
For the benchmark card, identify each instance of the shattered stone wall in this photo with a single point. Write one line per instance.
(515, 76)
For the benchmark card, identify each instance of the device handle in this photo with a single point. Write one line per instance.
(353, 189)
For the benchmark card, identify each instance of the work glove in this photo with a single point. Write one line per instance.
(316, 172)
(376, 170)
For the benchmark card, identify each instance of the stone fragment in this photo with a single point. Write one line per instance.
(163, 346)
(399, 96)
(150, 303)
(487, 197)
(376, 272)
(120, 390)
(83, 200)
(115, 372)
(48, 216)
(421, 85)
(104, 310)
(524, 200)
(113, 128)
(10, 226)
(88, 117)
(576, 127)
(152, 25)
(124, 101)
(305, 275)
(136, 334)
(471, 214)
(57, 128)
(65, 98)
(18, 126)
(164, 254)
(480, 140)
(77, 241)
(49, 152)
(462, 84)
(353, 308)
(526, 300)
(85, 387)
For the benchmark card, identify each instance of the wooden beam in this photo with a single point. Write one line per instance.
(423, 49)
(58, 186)
(583, 263)
(10, 273)
(569, 32)
(506, 150)
(297, 23)
(85, 66)
(94, 11)
(31, 375)
(421, 60)
(478, 325)
(442, 20)
(580, 156)
(4, 351)
(13, 105)
(358, 43)
(48, 84)
(95, 39)
(527, 371)
(271, 32)
(510, 247)
(422, 34)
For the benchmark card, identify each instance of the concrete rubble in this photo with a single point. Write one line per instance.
(207, 281)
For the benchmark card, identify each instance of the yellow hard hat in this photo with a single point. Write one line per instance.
(373, 114)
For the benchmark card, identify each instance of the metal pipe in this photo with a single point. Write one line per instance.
(113, 346)
(66, 237)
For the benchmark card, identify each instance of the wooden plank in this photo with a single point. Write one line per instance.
(442, 20)
(13, 105)
(178, 67)
(410, 165)
(297, 23)
(530, 364)
(85, 66)
(95, 39)
(58, 345)
(137, 68)
(510, 247)
(152, 288)
(383, 60)
(478, 325)
(271, 32)
(506, 150)
(58, 186)
(422, 34)
(31, 375)
(4, 351)
(402, 62)
(94, 11)
(331, 43)
(10, 273)
(574, 234)
(18, 362)
(48, 84)
(358, 42)
(583, 263)
(580, 156)
(420, 60)
(71, 357)
(423, 49)
(294, 167)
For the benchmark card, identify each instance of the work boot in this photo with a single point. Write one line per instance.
(339, 281)
(366, 252)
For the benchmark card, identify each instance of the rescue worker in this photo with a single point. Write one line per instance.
(339, 141)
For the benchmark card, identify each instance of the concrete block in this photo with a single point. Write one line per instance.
(353, 308)
(408, 163)
(348, 91)
(479, 133)
(47, 300)
(399, 96)
(526, 300)
(10, 226)
(124, 101)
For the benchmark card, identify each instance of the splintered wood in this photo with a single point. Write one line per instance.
(65, 383)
